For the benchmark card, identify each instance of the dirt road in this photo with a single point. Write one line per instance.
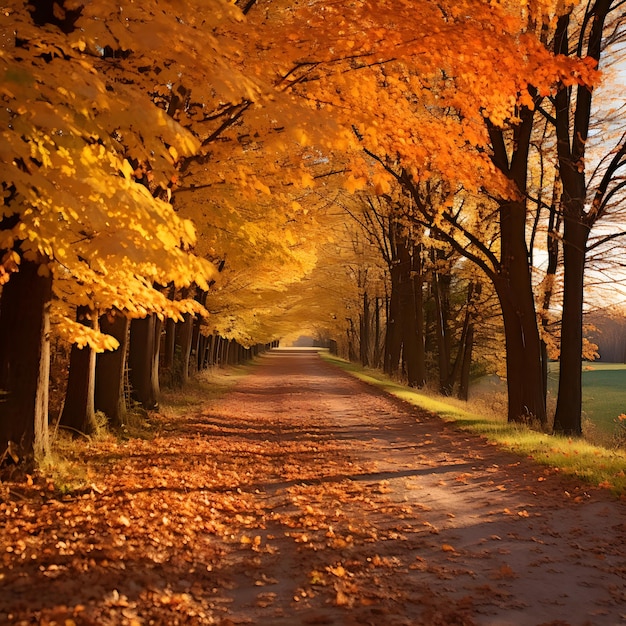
(306, 497)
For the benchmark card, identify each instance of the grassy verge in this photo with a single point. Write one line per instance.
(596, 465)
(65, 470)
(207, 385)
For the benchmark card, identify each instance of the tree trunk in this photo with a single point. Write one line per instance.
(202, 356)
(25, 363)
(523, 345)
(464, 357)
(393, 335)
(364, 323)
(141, 357)
(215, 350)
(350, 334)
(440, 288)
(169, 347)
(154, 365)
(513, 283)
(466, 363)
(552, 247)
(184, 335)
(376, 363)
(418, 307)
(572, 130)
(196, 343)
(223, 352)
(567, 419)
(526, 402)
(410, 336)
(79, 411)
(110, 368)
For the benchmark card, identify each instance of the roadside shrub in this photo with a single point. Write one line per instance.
(619, 434)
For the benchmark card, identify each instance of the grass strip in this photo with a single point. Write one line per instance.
(596, 465)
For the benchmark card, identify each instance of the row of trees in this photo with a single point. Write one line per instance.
(563, 160)
(418, 311)
(192, 167)
(102, 119)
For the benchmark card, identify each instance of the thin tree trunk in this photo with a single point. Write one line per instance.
(365, 331)
(393, 336)
(464, 357)
(439, 287)
(350, 333)
(184, 335)
(169, 347)
(201, 355)
(418, 306)
(410, 338)
(215, 350)
(466, 363)
(154, 363)
(377, 351)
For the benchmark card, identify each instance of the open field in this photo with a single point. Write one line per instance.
(604, 393)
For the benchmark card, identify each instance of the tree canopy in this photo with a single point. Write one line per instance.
(172, 159)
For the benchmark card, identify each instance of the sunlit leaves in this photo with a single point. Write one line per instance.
(89, 156)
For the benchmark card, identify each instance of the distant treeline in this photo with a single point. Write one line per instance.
(607, 329)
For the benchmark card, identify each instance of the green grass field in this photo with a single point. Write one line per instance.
(604, 392)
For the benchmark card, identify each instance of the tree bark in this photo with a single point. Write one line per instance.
(466, 363)
(572, 131)
(393, 335)
(513, 284)
(464, 357)
(184, 335)
(377, 356)
(526, 401)
(408, 316)
(25, 362)
(156, 355)
(141, 362)
(440, 290)
(110, 369)
(418, 307)
(364, 323)
(169, 346)
(350, 334)
(567, 419)
(79, 411)
(215, 350)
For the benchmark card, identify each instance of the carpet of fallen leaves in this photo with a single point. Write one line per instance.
(305, 497)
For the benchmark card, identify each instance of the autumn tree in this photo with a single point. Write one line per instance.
(86, 176)
(399, 245)
(235, 121)
(584, 203)
(418, 107)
